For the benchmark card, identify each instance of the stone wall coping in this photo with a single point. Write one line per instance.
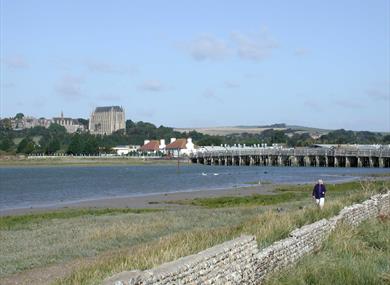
(191, 260)
(308, 228)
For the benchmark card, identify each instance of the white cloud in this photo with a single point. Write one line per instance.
(312, 104)
(9, 85)
(378, 95)
(152, 86)
(207, 48)
(16, 62)
(109, 97)
(105, 67)
(210, 94)
(231, 84)
(70, 86)
(253, 76)
(301, 51)
(146, 113)
(348, 104)
(255, 47)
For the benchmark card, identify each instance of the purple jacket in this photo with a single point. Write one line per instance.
(319, 191)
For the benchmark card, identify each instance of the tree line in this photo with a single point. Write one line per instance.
(55, 139)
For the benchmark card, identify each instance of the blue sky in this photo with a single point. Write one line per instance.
(200, 63)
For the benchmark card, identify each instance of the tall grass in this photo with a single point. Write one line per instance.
(120, 240)
(268, 227)
(230, 201)
(349, 256)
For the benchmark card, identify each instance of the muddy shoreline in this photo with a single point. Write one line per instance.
(145, 201)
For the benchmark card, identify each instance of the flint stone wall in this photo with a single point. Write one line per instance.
(240, 261)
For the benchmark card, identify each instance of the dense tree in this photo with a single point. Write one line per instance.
(53, 146)
(90, 145)
(368, 137)
(300, 140)
(19, 116)
(210, 140)
(386, 139)
(339, 137)
(6, 144)
(5, 124)
(84, 122)
(76, 145)
(57, 129)
(26, 146)
(272, 136)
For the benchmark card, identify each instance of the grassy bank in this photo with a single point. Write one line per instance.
(350, 256)
(267, 224)
(18, 222)
(283, 194)
(111, 241)
(81, 161)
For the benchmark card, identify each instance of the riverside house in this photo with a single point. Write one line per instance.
(180, 147)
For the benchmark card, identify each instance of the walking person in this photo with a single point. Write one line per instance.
(319, 193)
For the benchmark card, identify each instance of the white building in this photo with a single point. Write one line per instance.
(71, 125)
(29, 122)
(125, 149)
(182, 147)
(106, 120)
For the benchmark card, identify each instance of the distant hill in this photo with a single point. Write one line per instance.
(228, 130)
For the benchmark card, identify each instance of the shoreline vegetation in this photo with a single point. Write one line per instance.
(349, 256)
(84, 246)
(23, 161)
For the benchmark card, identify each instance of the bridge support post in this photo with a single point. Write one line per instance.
(317, 161)
(251, 160)
(294, 160)
(371, 162)
(306, 160)
(359, 162)
(347, 162)
(326, 161)
(280, 160)
(381, 162)
(336, 161)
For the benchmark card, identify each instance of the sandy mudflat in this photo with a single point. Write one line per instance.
(147, 201)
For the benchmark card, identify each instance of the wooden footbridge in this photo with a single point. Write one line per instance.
(378, 156)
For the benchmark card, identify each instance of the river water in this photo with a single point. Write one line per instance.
(23, 187)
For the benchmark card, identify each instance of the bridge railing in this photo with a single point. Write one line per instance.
(381, 152)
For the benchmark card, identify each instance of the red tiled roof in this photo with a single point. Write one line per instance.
(150, 146)
(177, 144)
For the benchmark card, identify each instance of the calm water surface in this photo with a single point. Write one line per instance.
(23, 187)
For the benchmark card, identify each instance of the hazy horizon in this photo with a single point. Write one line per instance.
(199, 64)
